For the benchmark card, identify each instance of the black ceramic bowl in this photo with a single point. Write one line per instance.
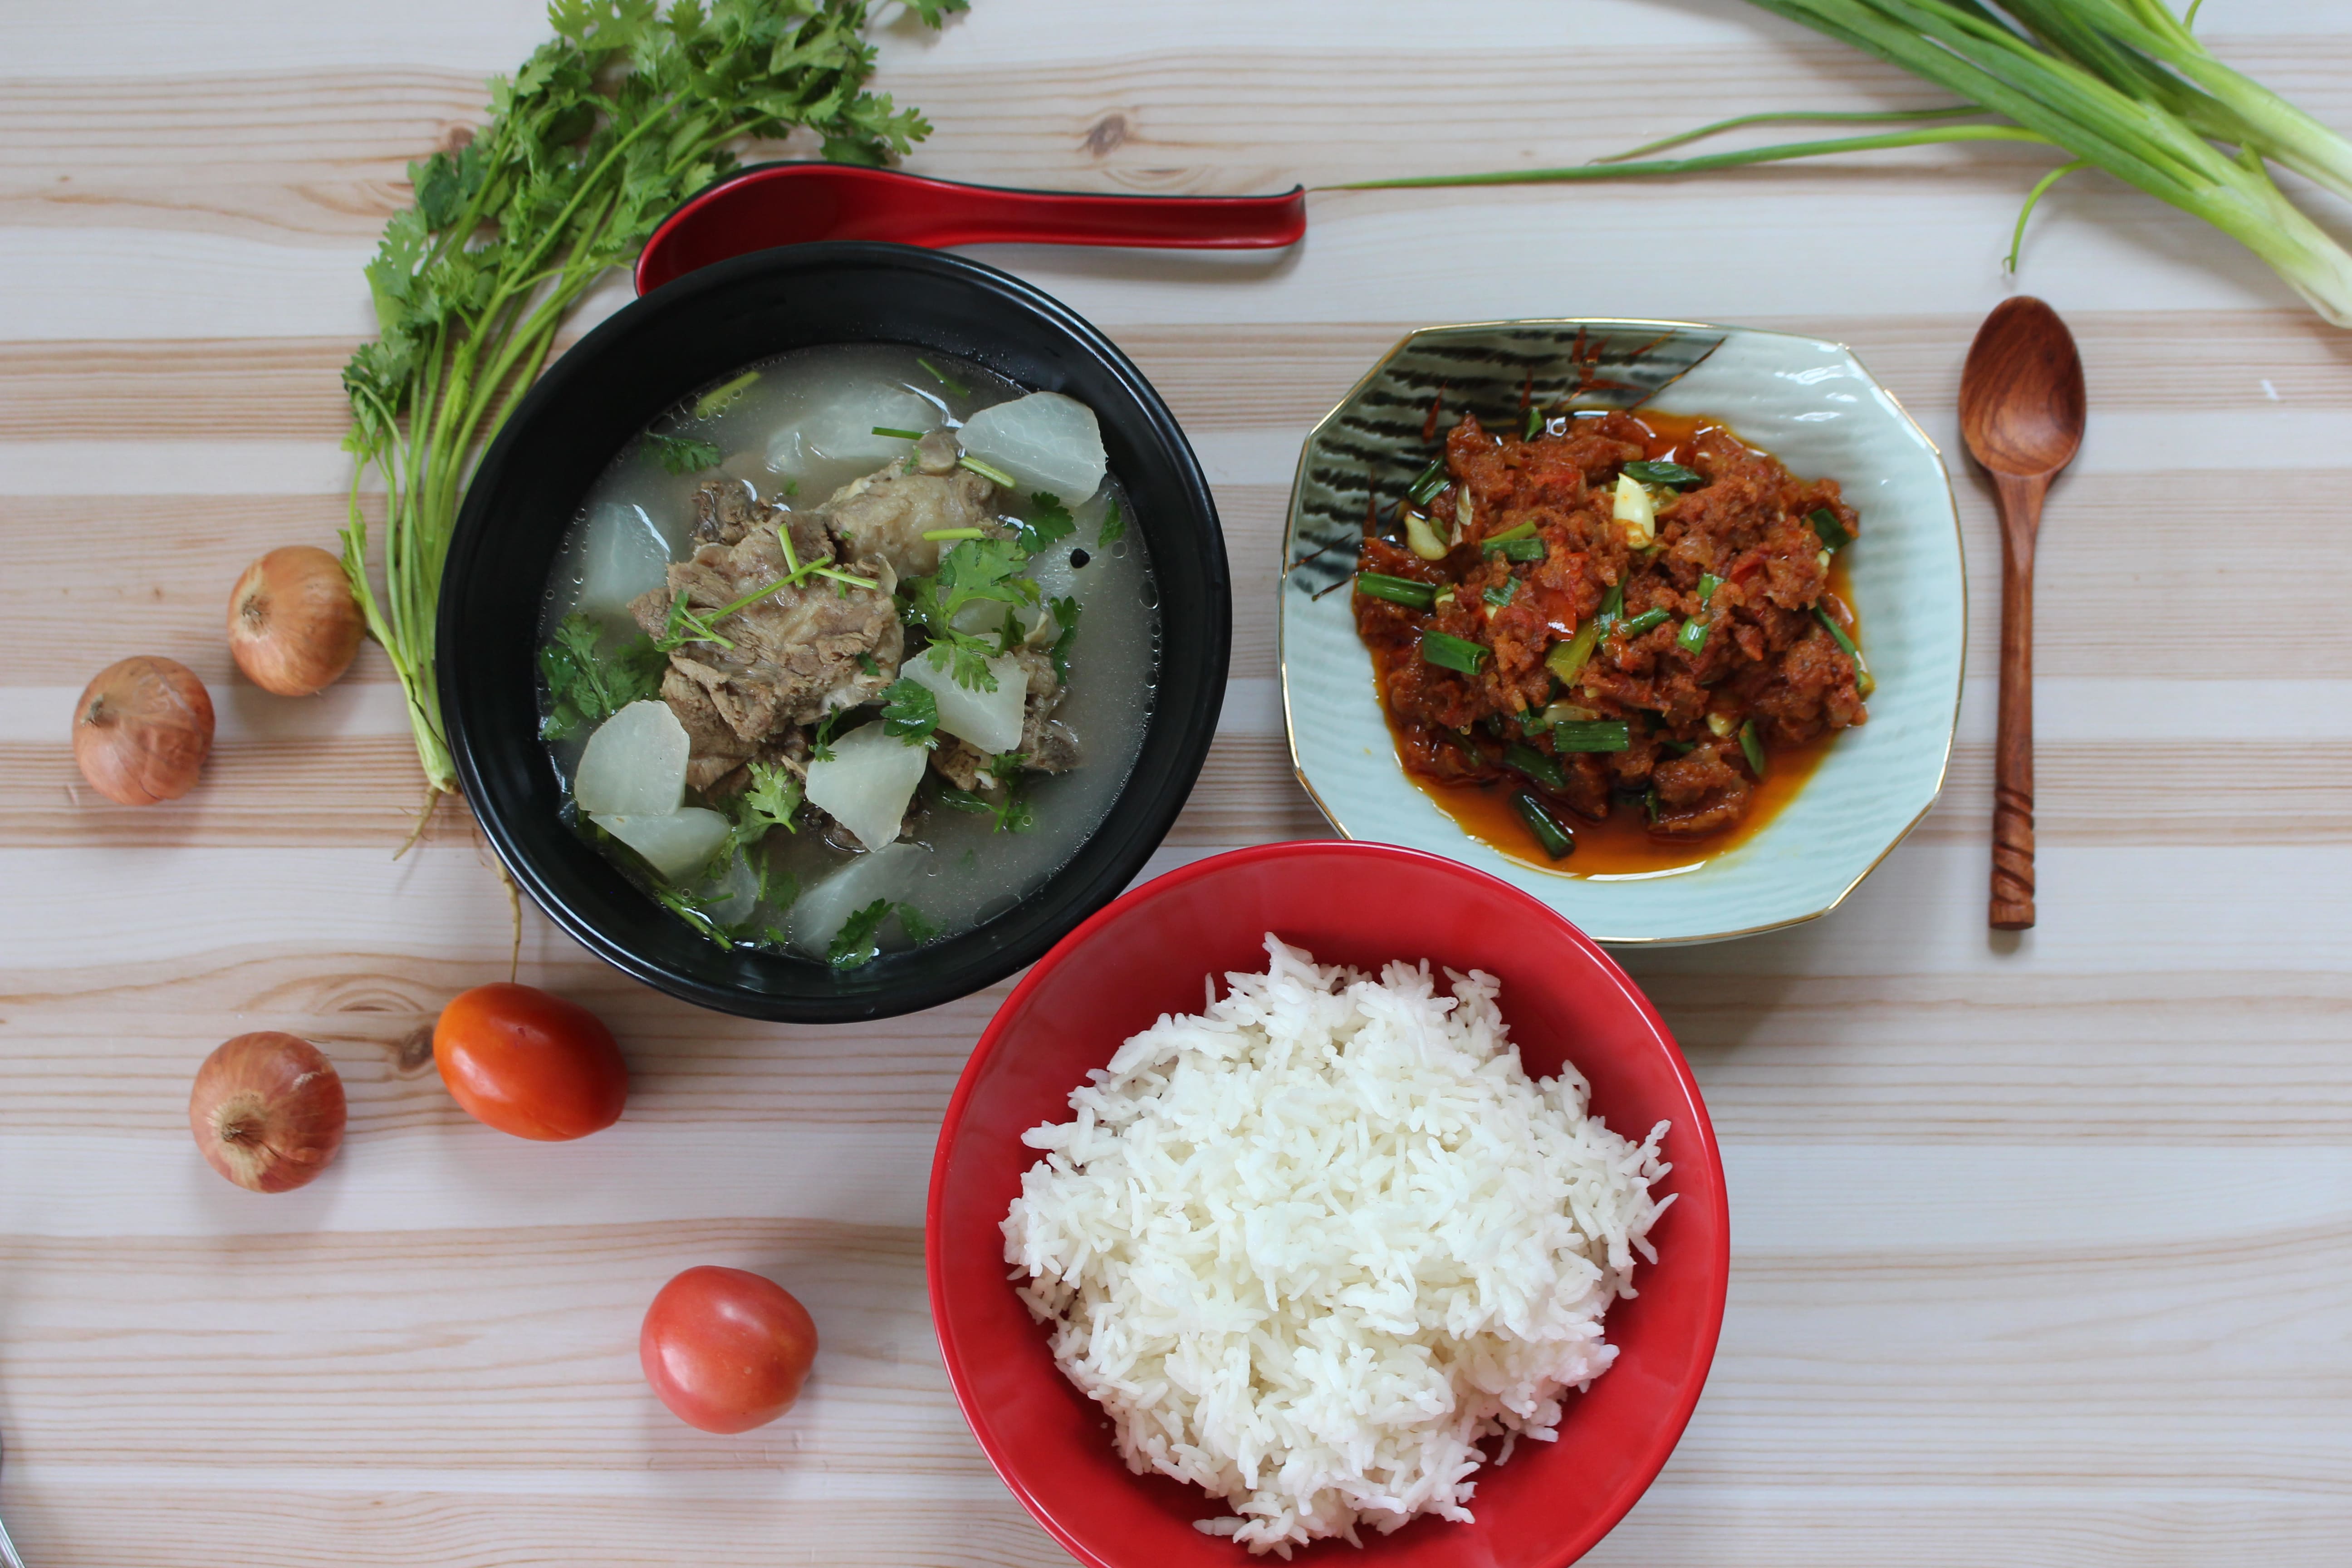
(598, 396)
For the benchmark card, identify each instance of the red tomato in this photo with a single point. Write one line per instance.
(726, 1350)
(531, 1064)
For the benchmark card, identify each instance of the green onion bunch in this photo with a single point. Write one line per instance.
(2120, 85)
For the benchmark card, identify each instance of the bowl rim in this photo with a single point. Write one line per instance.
(1709, 1154)
(1159, 796)
(1959, 541)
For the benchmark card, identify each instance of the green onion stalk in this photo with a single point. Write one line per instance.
(2118, 85)
(605, 130)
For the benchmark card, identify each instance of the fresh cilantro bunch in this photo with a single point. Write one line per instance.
(605, 129)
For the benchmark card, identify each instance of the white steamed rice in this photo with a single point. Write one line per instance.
(1310, 1247)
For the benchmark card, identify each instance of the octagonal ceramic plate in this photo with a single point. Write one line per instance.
(1808, 402)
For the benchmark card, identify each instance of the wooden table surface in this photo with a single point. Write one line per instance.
(2042, 1246)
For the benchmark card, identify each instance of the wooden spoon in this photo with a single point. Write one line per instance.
(2021, 412)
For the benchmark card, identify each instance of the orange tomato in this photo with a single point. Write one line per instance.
(531, 1064)
(726, 1350)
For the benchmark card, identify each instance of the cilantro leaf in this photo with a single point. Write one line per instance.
(682, 454)
(586, 686)
(966, 658)
(1065, 617)
(918, 927)
(977, 570)
(1114, 526)
(1012, 813)
(910, 713)
(766, 803)
(858, 942)
(821, 739)
(1051, 522)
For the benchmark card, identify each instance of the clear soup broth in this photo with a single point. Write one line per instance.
(745, 490)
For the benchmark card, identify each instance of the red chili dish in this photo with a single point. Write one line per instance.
(1620, 635)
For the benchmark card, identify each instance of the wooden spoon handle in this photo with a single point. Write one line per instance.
(2013, 799)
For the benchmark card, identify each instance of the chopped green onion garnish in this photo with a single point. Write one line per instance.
(1861, 678)
(1500, 594)
(1680, 748)
(1692, 638)
(1592, 736)
(1646, 621)
(1444, 596)
(1550, 831)
(1449, 652)
(1612, 605)
(1518, 530)
(1396, 590)
(1753, 745)
(1545, 771)
(901, 435)
(1567, 659)
(1661, 473)
(955, 533)
(998, 474)
(944, 379)
(1519, 549)
(1567, 712)
(1707, 584)
(1535, 422)
(1432, 480)
(1827, 528)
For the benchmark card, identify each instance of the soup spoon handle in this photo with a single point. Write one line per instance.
(8, 1558)
(2013, 798)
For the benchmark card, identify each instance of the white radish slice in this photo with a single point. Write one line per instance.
(737, 890)
(1045, 440)
(677, 844)
(626, 555)
(989, 719)
(895, 871)
(841, 429)
(868, 782)
(635, 764)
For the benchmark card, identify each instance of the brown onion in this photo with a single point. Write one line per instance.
(292, 622)
(268, 1111)
(143, 730)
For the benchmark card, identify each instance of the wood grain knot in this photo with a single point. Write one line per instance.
(1107, 134)
(413, 1054)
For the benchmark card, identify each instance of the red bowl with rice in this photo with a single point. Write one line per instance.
(1361, 905)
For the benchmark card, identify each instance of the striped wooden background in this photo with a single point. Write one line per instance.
(2043, 1246)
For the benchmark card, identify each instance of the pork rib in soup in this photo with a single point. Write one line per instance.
(815, 671)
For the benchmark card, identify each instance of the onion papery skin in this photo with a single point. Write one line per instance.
(268, 1111)
(293, 626)
(143, 730)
